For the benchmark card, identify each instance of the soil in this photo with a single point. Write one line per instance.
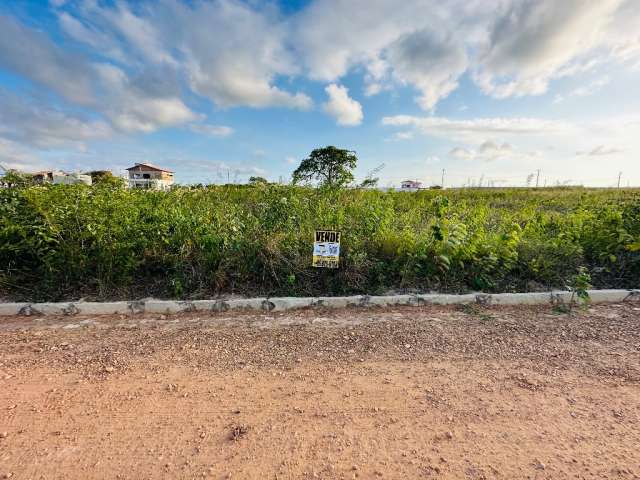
(416, 392)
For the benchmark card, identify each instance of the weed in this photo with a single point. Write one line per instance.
(102, 242)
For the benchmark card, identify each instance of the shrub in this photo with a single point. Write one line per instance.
(70, 241)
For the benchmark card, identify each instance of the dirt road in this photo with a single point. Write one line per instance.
(429, 392)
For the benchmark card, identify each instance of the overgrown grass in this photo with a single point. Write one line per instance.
(66, 242)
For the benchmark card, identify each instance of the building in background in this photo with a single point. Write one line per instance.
(58, 177)
(146, 175)
(62, 178)
(410, 186)
(44, 176)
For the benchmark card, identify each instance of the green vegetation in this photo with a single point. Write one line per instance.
(332, 167)
(256, 180)
(71, 241)
(579, 288)
(14, 178)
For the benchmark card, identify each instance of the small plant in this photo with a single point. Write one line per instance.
(474, 311)
(178, 289)
(579, 287)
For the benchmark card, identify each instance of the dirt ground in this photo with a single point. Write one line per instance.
(417, 392)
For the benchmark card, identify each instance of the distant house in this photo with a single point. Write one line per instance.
(45, 176)
(58, 177)
(146, 175)
(62, 178)
(410, 186)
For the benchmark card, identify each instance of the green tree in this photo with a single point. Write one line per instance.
(14, 178)
(370, 182)
(330, 166)
(257, 180)
(106, 178)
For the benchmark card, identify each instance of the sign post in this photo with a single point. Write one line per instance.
(326, 249)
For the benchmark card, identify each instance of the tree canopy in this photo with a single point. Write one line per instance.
(14, 178)
(257, 180)
(330, 166)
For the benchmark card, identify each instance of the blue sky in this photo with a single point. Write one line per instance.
(488, 90)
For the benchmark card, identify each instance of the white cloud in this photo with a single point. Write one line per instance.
(226, 50)
(398, 136)
(290, 160)
(57, 3)
(585, 90)
(141, 66)
(240, 53)
(40, 127)
(232, 53)
(106, 45)
(479, 128)
(461, 153)
(14, 156)
(417, 42)
(346, 110)
(431, 61)
(591, 88)
(138, 108)
(149, 114)
(489, 151)
(141, 103)
(32, 54)
(600, 150)
(212, 130)
(533, 40)
(334, 35)
(513, 47)
(141, 34)
(622, 34)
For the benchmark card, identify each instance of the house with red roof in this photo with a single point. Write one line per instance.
(149, 176)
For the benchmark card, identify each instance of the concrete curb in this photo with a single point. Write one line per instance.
(280, 304)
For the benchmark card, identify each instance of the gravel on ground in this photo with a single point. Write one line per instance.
(442, 392)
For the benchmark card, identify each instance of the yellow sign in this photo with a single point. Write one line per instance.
(326, 249)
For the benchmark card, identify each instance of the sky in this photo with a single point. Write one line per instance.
(489, 91)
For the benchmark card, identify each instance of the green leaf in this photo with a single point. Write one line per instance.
(633, 247)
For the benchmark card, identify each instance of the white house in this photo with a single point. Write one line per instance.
(146, 175)
(410, 186)
(61, 178)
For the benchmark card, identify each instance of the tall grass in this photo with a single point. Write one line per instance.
(71, 241)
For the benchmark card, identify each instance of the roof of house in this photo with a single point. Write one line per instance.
(150, 167)
(412, 181)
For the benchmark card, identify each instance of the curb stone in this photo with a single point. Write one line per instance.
(281, 304)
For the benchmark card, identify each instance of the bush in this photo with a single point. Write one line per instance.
(101, 242)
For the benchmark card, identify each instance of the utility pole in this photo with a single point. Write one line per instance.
(619, 177)
(538, 178)
(442, 178)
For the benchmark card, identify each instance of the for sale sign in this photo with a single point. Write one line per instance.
(326, 249)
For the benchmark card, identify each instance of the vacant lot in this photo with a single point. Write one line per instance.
(65, 242)
(428, 392)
